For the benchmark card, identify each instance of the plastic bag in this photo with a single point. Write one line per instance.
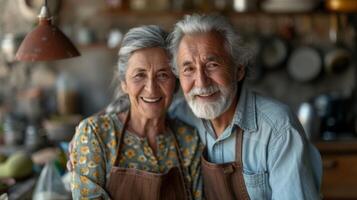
(50, 185)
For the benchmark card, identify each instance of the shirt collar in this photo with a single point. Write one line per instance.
(245, 113)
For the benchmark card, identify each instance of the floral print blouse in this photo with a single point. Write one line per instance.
(96, 143)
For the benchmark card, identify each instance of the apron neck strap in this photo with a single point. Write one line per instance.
(181, 165)
(239, 142)
(239, 146)
(120, 138)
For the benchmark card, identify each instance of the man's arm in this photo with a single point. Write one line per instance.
(295, 168)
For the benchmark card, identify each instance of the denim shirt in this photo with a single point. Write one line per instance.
(278, 160)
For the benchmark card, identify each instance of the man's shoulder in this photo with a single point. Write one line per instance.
(274, 113)
(180, 110)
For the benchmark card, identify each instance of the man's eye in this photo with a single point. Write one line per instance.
(163, 76)
(187, 70)
(212, 65)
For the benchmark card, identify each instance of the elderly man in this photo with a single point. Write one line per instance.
(255, 146)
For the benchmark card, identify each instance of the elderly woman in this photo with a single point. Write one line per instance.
(133, 150)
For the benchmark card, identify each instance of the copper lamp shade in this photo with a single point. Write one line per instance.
(46, 42)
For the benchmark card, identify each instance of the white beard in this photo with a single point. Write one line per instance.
(211, 110)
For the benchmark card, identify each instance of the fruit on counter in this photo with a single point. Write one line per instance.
(18, 165)
(2, 158)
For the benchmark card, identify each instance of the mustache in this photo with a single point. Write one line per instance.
(203, 91)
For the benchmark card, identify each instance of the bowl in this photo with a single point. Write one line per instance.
(61, 128)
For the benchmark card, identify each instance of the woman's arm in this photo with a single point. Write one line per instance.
(89, 164)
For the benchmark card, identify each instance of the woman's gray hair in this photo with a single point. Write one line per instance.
(148, 36)
(193, 24)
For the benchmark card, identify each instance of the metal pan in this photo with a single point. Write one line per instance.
(339, 57)
(273, 52)
(305, 64)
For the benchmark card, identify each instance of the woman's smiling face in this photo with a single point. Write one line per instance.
(149, 82)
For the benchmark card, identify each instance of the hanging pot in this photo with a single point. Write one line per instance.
(286, 6)
(338, 58)
(273, 52)
(305, 64)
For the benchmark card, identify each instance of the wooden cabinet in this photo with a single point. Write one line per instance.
(339, 169)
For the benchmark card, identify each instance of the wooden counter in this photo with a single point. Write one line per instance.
(339, 169)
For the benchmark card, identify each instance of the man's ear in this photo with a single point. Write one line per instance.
(240, 72)
(124, 86)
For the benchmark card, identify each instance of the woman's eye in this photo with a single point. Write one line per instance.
(139, 76)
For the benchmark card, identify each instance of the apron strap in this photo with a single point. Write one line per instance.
(121, 135)
(181, 167)
(239, 146)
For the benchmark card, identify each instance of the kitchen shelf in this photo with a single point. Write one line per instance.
(178, 14)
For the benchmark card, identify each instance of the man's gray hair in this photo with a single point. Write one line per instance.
(148, 36)
(193, 24)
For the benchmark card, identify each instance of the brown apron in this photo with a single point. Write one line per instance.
(225, 181)
(133, 184)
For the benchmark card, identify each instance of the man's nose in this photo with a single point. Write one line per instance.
(202, 80)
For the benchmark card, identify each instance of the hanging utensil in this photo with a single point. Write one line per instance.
(305, 61)
(305, 64)
(273, 52)
(338, 58)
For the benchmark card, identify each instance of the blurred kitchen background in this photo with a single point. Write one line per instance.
(305, 54)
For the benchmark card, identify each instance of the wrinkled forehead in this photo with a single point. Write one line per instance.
(210, 45)
(150, 57)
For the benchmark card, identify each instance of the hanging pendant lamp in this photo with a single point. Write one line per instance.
(46, 42)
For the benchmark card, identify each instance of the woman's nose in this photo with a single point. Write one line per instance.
(151, 85)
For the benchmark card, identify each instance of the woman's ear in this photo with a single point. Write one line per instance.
(240, 72)
(124, 86)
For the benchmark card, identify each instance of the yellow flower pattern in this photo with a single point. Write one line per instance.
(82, 160)
(96, 143)
(130, 153)
(84, 139)
(84, 150)
(84, 171)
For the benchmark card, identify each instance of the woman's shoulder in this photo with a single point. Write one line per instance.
(184, 132)
(100, 119)
(103, 125)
